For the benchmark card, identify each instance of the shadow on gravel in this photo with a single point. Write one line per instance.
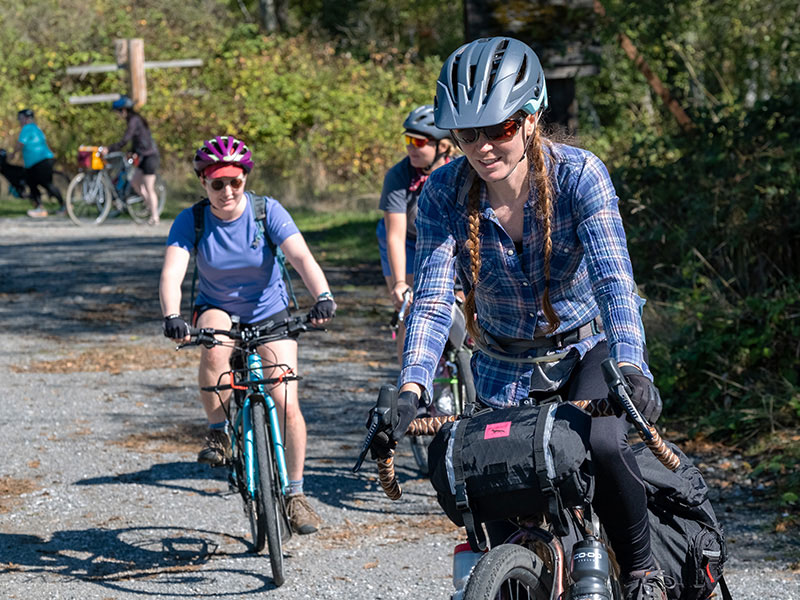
(88, 278)
(137, 560)
(165, 475)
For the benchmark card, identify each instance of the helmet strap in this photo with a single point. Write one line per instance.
(524, 152)
(436, 158)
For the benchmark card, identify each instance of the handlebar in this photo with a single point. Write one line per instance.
(251, 335)
(596, 408)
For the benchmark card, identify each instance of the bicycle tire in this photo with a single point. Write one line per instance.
(509, 572)
(135, 205)
(88, 200)
(267, 490)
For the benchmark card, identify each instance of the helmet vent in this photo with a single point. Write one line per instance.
(454, 73)
(522, 70)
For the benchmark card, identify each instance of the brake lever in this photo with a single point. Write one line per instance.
(382, 416)
(621, 391)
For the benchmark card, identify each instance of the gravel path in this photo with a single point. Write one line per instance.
(100, 497)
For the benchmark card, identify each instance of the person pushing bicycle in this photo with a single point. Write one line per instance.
(239, 275)
(533, 230)
(137, 132)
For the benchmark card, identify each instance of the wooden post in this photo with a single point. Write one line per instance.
(138, 82)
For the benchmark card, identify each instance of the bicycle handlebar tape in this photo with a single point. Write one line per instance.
(388, 478)
(661, 451)
(428, 425)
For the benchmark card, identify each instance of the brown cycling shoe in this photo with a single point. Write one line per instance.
(645, 585)
(302, 517)
(217, 448)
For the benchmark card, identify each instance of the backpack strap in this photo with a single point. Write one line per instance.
(723, 587)
(199, 217)
(258, 208)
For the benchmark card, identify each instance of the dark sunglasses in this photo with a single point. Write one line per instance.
(417, 142)
(219, 184)
(494, 133)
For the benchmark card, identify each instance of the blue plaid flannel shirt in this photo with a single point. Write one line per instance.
(590, 274)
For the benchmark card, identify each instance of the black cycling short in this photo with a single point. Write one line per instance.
(149, 164)
(199, 309)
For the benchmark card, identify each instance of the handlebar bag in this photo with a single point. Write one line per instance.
(520, 461)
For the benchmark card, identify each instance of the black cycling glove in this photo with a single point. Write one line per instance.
(175, 327)
(386, 440)
(323, 309)
(645, 395)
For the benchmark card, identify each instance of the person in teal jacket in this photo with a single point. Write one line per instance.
(38, 160)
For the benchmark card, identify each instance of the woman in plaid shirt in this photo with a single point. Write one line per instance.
(533, 230)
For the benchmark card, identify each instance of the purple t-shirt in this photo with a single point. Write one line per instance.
(236, 271)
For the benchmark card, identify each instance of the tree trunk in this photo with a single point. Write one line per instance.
(269, 15)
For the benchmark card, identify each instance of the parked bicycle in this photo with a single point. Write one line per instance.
(103, 184)
(257, 467)
(16, 186)
(531, 563)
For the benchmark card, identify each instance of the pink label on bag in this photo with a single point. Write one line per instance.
(496, 430)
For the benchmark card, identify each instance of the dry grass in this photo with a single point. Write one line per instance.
(114, 358)
(11, 488)
(183, 438)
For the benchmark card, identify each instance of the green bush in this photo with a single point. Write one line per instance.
(318, 122)
(714, 230)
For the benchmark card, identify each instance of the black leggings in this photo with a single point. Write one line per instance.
(620, 498)
(41, 174)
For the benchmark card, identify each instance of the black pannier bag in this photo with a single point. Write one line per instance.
(686, 539)
(512, 462)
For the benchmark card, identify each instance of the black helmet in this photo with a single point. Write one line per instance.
(486, 81)
(122, 102)
(25, 112)
(420, 120)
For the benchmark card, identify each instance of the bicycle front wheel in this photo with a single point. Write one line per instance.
(509, 572)
(88, 198)
(267, 500)
(137, 208)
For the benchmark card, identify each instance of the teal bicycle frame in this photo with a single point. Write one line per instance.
(255, 370)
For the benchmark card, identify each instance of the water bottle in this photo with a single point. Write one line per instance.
(464, 560)
(589, 570)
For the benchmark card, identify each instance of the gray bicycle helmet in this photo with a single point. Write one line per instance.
(420, 120)
(486, 81)
(122, 102)
(25, 112)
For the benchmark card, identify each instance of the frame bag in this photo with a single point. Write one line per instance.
(686, 539)
(512, 462)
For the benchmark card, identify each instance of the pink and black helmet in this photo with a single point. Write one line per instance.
(223, 150)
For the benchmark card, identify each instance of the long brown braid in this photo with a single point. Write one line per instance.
(543, 184)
